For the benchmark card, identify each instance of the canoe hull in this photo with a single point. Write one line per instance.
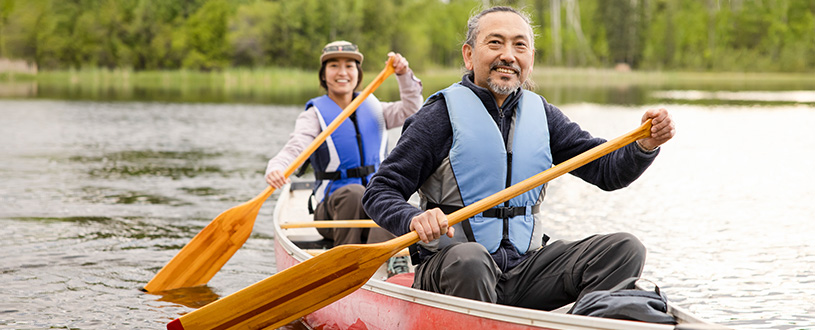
(367, 309)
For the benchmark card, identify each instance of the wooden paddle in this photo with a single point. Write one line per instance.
(211, 248)
(316, 252)
(321, 280)
(330, 224)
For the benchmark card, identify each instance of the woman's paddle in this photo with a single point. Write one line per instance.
(211, 248)
(321, 280)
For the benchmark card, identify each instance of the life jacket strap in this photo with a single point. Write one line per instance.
(506, 212)
(356, 172)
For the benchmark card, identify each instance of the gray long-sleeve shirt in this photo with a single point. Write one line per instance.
(426, 140)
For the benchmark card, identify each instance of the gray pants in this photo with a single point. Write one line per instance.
(345, 203)
(551, 277)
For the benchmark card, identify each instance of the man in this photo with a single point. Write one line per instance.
(482, 135)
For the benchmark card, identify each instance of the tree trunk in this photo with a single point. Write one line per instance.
(557, 47)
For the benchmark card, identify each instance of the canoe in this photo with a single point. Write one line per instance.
(390, 303)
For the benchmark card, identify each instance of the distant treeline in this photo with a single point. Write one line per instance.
(704, 35)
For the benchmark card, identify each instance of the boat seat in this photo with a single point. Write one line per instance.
(404, 279)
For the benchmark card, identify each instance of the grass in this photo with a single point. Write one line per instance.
(295, 86)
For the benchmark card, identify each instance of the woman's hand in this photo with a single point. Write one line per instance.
(400, 64)
(276, 179)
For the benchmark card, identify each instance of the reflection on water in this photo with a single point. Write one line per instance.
(97, 197)
(194, 297)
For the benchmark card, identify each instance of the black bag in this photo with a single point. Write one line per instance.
(628, 304)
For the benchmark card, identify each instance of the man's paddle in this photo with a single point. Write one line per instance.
(321, 280)
(211, 248)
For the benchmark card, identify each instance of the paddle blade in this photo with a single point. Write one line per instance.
(209, 250)
(294, 292)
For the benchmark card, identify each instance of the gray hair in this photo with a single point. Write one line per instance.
(473, 29)
(473, 26)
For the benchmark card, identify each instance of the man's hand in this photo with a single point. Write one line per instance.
(430, 225)
(662, 128)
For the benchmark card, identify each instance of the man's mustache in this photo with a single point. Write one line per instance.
(513, 66)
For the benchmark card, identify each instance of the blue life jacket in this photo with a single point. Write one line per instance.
(352, 153)
(479, 158)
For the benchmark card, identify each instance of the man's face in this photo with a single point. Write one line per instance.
(502, 57)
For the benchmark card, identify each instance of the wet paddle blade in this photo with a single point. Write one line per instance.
(296, 291)
(210, 249)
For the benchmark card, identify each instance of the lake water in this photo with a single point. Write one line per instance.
(95, 197)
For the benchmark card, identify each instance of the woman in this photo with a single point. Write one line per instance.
(352, 153)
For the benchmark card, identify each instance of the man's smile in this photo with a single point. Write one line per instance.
(506, 71)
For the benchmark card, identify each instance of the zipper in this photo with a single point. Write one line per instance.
(359, 144)
(508, 183)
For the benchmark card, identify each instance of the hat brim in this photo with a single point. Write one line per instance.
(329, 56)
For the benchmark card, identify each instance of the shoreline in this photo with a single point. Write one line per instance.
(294, 86)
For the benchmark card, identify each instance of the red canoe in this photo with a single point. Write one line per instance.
(390, 303)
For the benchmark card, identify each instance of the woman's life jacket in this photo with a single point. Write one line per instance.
(352, 153)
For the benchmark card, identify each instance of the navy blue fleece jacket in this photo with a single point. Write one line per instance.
(426, 140)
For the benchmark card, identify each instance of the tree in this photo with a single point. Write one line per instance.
(205, 36)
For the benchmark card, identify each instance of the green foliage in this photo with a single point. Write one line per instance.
(708, 35)
(205, 35)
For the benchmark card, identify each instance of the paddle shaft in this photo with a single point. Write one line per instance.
(330, 224)
(543, 177)
(211, 248)
(323, 279)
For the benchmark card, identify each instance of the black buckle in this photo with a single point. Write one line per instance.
(504, 212)
(356, 172)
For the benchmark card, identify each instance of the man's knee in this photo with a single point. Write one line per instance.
(469, 258)
(629, 242)
(469, 272)
(629, 247)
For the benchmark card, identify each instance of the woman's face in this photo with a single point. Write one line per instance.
(341, 76)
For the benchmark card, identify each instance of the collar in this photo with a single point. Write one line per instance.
(488, 99)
